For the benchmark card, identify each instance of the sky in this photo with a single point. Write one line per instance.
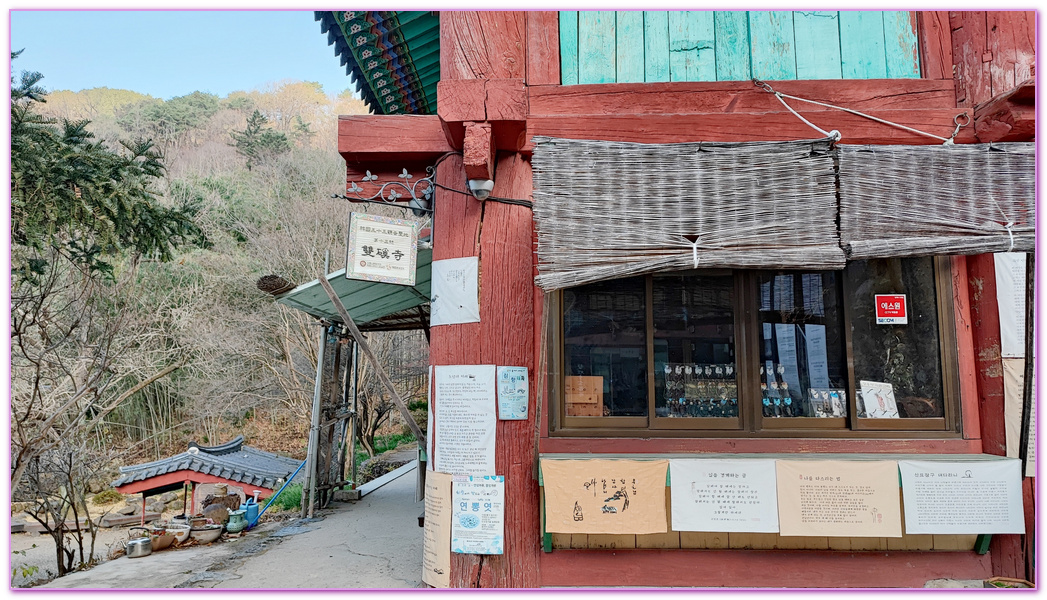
(168, 53)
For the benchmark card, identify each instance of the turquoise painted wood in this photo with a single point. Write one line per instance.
(861, 45)
(568, 47)
(596, 43)
(899, 34)
(817, 37)
(655, 45)
(733, 62)
(773, 50)
(691, 46)
(629, 49)
(651, 46)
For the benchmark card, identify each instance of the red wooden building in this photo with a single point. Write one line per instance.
(473, 89)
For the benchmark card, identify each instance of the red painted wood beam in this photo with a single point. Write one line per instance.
(756, 568)
(543, 47)
(739, 127)
(971, 418)
(478, 151)
(483, 44)
(1009, 117)
(761, 445)
(935, 37)
(416, 136)
(736, 96)
(136, 487)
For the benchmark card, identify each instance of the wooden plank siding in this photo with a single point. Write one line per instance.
(661, 46)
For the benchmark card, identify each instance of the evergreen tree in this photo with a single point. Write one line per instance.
(258, 142)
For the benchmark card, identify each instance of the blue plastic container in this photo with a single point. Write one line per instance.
(251, 508)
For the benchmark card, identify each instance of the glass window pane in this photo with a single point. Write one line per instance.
(605, 349)
(900, 363)
(803, 367)
(694, 363)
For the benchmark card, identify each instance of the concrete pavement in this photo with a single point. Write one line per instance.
(373, 543)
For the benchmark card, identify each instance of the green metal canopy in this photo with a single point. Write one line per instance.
(373, 306)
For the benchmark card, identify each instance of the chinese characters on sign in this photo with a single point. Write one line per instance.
(839, 498)
(465, 419)
(512, 393)
(604, 496)
(381, 249)
(478, 517)
(962, 498)
(724, 495)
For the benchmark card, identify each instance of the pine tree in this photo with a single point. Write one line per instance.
(257, 142)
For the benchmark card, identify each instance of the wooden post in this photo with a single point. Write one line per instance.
(366, 349)
(314, 429)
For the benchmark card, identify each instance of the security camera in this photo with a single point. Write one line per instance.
(481, 188)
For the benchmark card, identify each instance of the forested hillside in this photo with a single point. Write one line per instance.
(123, 350)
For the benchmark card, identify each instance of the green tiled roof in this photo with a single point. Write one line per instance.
(393, 56)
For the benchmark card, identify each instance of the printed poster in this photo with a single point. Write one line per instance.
(436, 537)
(512, 393)
(724, 495)
(429, 464)
(1010, 295)
(454, 296)
(963, 498)
(817, 356)
(465, 419)
(878, 399)
(785, 334)
(604, 496)
(478, 518)
(381, 249)
(839, 498)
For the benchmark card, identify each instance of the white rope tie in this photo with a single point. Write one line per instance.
(945, 141)
(694, 251)
(1010, 223)
(1010, 232)
(829, 134)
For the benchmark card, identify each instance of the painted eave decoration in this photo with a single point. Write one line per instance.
(392, 56)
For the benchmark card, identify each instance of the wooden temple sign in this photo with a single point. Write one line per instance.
(583, 396)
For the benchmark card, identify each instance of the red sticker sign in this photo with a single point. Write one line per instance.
(891, 309)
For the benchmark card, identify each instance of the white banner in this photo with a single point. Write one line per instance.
(962, 497)
(724, 495)
(465, 419)
(1010, 295)
(455, 297)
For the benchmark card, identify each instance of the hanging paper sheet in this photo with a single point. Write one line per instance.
(724, 495)
(604, 496)
(1010, 296)
(478, 521)
(436, 537)
(839, 498)
(512, 393)
(465, 419)
(962, 498)
(454, 296)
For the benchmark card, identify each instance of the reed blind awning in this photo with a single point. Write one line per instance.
(606, 210)
(928, 200)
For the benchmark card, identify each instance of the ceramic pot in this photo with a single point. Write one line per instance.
(237, 522)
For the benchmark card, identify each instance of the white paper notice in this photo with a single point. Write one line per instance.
(455, 295)
(817, 356)
(465, 419)
(962, 498)
(724, 495)
(786, 336)
(1010, 295)
(512, 393)
(429, 422)
(478, 520)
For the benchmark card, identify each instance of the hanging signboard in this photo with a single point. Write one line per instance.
(512, 393)
(891, 309)
(478, 517)
(962, 498)
(724, 495)
(381, 249)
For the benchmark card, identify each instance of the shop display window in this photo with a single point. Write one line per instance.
(766, 352)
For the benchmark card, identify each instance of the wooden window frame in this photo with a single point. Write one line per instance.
(750, 422)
